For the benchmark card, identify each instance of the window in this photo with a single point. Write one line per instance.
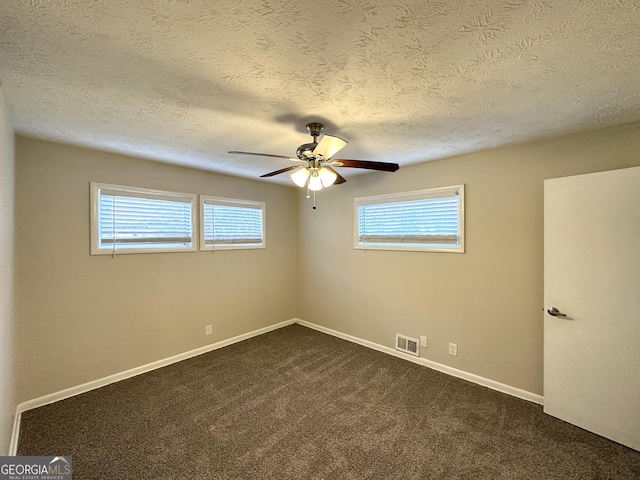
(139, 220)
(227, 223)
(424, 220)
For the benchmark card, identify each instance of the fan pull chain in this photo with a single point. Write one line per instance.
(314, 199)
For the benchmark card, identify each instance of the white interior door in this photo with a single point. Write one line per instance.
(592, 275)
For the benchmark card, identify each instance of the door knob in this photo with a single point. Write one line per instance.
(554, 312)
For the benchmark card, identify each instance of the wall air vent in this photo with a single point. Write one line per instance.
(407, 345)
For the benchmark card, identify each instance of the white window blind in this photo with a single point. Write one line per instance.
(230, 223)
(137, 220)
(420, 220)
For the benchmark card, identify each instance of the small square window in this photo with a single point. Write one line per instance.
(228, 223)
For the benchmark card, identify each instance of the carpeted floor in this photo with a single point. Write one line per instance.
(299, 404)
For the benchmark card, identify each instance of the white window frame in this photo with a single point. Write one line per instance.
(233, 202)
(408, 196)
(96, 187)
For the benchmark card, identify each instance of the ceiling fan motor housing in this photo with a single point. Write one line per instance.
(305, 151)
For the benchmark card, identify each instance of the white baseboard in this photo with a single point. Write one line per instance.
(485, 382)
(13, 444)
(101, 382)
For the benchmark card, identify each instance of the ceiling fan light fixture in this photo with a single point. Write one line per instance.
(314, 182)
(300, 176)
(327, 177)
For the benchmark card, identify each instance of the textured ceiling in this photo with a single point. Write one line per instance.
(406, 81)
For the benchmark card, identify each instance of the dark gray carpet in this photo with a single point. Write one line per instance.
(299, 404)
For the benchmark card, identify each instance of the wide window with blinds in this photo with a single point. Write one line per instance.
(227, 223)
(423, 220)
(139, 220)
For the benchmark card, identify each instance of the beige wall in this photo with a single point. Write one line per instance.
(488, 300)
(84, 317)
(7, 329)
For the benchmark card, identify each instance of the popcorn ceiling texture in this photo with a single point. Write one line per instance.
(402, 80)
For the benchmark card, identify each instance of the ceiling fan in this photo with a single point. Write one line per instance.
(315, 161)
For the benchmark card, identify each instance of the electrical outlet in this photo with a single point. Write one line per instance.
(453, 349)
(209, 330)
(424, 342)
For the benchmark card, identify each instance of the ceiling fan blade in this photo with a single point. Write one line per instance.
(278, 172)
(340, 178)
(329, 146)
(259, 154)
(382, 166)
